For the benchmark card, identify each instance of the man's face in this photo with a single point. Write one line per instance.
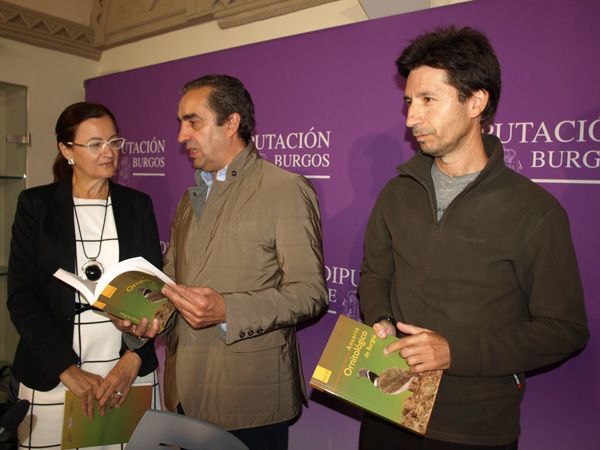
(439, 121)
(206, 142)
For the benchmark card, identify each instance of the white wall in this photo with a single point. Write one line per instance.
(208, 37)
(54, 80)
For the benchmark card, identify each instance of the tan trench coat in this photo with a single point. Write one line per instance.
(257, 240)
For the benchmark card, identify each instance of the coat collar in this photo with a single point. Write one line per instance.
(419, 166)
(238, 168)
(243, 163)
(123, 209)
(64, 228)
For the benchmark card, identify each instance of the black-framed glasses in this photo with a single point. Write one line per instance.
(97, 146)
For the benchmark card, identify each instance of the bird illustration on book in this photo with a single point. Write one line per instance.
(392, 381)
(150, 295)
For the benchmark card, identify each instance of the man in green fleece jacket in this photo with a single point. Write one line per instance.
(470, 261)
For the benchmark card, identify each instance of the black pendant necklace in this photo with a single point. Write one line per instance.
(92, 269)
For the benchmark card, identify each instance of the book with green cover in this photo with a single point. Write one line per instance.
(353, 367)
(129, 290)
(115, 427)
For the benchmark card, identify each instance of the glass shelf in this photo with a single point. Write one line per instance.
(13, 166)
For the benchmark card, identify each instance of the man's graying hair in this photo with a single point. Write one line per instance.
(467, 57)
(228, 96)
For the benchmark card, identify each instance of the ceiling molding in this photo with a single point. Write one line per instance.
(118, 22)
(43, 30)
(383, 8)
(232, 13)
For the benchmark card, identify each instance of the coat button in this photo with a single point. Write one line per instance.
(242, 334)
(234, 173)
(250, 332)
(259, 331)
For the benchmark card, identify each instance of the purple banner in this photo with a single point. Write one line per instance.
(329, 106)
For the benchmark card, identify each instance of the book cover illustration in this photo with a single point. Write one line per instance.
(354, 368)
(129, 290)
(115, 427)
(134, 295)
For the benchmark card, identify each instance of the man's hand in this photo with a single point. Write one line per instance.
(84, 385)
(383, 329)
(423, 349)
(199, 306)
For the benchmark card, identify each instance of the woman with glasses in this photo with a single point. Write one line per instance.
(83, 223)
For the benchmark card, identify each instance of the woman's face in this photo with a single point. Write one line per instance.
(90, 165)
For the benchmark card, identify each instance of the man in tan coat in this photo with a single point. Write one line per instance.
(246, 254)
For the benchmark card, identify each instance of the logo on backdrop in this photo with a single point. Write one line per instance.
(142, 158)
(565, 151)
(305, 152)
(511, 160)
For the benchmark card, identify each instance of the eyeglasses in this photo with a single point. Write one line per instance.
(97, 146)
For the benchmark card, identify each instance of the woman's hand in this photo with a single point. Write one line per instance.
(145, 329)
(115, 387)
(84, 385)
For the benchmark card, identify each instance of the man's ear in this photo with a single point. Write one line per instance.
(478, 101)
(232, 124)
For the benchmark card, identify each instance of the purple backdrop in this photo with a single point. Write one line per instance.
(329, 107)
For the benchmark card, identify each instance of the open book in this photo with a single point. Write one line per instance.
(354, 368)
(129, 290)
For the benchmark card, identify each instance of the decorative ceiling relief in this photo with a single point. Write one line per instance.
(117, 22)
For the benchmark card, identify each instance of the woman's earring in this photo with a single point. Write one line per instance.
(71, 162)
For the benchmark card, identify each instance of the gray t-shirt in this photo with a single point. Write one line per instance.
(447, 187)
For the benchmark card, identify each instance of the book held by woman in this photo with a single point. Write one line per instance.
(129, 290)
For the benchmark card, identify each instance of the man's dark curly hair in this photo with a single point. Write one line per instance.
(467, 57)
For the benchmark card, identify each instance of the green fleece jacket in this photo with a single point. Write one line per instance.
(497, 276)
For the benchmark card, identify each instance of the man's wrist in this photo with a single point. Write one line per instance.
(386, 317)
